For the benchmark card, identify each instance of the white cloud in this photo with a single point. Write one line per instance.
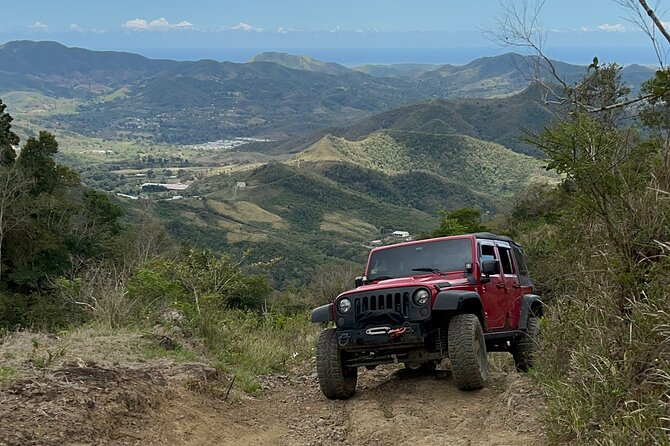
(161, 24)
(75, 27)
(614, 28)
(38, 26)
(585, 29)
(245, 27)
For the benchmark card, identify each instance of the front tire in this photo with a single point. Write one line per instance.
(467, 352)
(337, 382)
(526, 346)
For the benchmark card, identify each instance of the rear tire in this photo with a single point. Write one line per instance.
(467, 352)
(526, 346)
(336, 381)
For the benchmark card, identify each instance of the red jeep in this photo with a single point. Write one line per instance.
(420, 302)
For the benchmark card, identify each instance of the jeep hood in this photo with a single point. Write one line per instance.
(453, 279)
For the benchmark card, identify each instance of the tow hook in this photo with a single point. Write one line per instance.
(344, 339)
(378, 331)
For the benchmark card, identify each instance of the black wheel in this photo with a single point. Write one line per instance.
(336, 381)
(467, 352)
(525, 347)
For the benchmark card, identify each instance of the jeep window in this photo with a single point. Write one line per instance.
(488, 252)
(506, 260)
(520, 261)
(444, 255)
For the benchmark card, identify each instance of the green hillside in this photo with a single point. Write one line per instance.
(457, 158)
(503, 120)
(328, 202)
(293, 214)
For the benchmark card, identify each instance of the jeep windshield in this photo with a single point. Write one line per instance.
(420, 258)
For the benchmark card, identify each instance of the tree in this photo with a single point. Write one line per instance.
(8, 139)
(600, 245)
(13, 188)
(459, 221)
(36, 161)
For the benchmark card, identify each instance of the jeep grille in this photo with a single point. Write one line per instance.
(398, 301)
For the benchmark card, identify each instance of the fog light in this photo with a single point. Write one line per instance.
(421, 297)
(344, 305)
(340, 321)
(424, 312)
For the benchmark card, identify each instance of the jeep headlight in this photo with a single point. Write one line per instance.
(421, 297)
(344, 305)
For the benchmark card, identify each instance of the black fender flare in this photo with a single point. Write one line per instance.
(324, 313)
(456, 301)
(528, 302)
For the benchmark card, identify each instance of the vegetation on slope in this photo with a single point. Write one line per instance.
(455, 157)
(600, 251)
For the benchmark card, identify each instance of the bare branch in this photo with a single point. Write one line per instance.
(644, 17)
(655, 19)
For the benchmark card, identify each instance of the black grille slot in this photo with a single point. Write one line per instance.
(398, 301)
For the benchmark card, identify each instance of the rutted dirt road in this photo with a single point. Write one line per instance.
(392, 407)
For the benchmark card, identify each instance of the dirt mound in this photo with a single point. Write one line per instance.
(86, 404)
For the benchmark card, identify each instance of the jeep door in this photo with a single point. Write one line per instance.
(494, 297)
(510, 283)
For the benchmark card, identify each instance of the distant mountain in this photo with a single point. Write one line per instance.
(508, 74)
(305, 63)
(207, 100)
(54, 69)
(122, 95)
(502, 120)
(404, 70)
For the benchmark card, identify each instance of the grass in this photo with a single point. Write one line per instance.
(243, 344)
(6, 376)
(251, 346)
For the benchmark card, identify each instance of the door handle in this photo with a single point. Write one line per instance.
(517, 285)
(501, 285)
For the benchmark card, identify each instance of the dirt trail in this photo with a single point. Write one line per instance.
(392, 407)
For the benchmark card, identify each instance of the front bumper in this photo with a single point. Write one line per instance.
(381, 338)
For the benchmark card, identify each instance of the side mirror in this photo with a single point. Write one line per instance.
(490, 267)
(360, 280)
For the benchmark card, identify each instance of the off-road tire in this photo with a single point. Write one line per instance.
(336, 381)
(467, 352)
(524, 348)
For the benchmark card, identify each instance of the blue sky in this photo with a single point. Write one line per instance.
(145, 25)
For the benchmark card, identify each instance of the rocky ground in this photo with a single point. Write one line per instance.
(166, 403)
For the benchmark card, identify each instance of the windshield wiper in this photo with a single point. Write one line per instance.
(429, 270)
(380, 278)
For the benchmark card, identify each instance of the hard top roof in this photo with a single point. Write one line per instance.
(490, 236)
